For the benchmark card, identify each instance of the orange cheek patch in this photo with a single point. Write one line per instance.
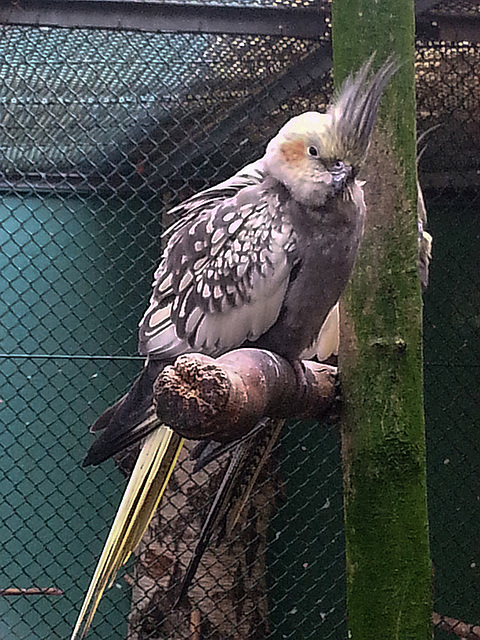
(293, 152)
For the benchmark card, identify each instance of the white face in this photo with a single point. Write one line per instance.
(301, 157)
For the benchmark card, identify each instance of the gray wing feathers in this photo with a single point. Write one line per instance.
(223, 277)
(186, 211)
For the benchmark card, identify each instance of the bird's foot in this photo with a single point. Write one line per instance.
(299, 369)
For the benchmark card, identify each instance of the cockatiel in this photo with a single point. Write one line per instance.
(259, 260)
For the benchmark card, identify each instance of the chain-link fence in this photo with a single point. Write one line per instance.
(101, 131)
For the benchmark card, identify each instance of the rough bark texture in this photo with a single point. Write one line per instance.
(388, 566)
(228, 596)
(224, 398)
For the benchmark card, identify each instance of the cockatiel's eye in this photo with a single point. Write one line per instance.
(313, 151)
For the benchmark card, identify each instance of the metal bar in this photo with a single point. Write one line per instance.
(442, 180)
(174, 17)
(64, 356)
(171, 17)
(449, 27)
(453, 28)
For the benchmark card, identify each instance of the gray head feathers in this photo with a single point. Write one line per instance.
(354, 110)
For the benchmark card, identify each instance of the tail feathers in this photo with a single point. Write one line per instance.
(259, 454)
(142, 496)
(214, 516)
(206, 451)
(247, 460)
(129, 420)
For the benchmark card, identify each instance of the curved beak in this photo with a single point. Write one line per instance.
(340, 177)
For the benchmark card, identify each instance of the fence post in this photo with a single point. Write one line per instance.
(388, 565)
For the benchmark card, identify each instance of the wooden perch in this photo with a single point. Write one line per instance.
(223, 399)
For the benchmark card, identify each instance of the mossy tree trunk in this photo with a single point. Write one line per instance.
(388, 564)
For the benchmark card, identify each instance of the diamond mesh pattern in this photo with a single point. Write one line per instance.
(100, 133)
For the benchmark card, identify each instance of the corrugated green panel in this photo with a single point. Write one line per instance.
(79, 102)
(71, 98)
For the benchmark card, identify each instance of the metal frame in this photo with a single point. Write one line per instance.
(450, 28)
(170, 17)
(296, 22)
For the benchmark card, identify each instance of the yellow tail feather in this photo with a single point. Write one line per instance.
(149, 478)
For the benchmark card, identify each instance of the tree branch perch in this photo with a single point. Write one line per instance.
(223, 399)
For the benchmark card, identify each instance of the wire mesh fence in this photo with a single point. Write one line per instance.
(101, 131)
(447, 90)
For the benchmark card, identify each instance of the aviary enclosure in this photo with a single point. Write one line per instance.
(110, 113)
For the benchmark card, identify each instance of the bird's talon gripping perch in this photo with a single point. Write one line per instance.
(302, 383)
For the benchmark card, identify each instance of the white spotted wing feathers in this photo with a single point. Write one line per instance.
(224, 274)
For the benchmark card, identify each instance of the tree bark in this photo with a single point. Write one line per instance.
(388, 565)
(228, 598)
(223, 398)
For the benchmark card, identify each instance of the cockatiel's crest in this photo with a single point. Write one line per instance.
(315, 155)
(354, 111)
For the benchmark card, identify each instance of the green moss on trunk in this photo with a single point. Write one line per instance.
(388, 565)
